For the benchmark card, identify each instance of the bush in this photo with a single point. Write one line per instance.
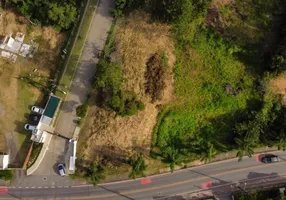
(81, 110)
(95, 173)
(6, 175)
(138, 167)
(140, 105)
(37, 147)
(125, 103)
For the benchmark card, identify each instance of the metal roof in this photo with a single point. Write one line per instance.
(51, 106)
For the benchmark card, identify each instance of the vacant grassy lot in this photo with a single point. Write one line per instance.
(110, 136)
(215, 55)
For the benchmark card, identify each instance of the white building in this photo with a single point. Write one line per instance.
(45, 124)
(4, 161)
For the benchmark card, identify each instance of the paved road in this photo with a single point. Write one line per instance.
(222, 175)
(81, 83)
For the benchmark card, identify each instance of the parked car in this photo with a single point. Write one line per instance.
(270, 159)
(37, 110)
(29, 127)
(34, 118)
(61, 169)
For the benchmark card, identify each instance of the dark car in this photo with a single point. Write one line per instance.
(34, 118)
(270, 159)
(61, 169)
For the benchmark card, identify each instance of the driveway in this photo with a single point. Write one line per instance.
(85, 71)
(46, 174)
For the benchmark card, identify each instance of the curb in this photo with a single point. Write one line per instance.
(40, 158)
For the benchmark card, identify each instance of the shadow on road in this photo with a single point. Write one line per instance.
(115, 192)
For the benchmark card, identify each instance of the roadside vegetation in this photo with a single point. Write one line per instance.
(6, 175)
(95, 173)
(138, 166)
(37, 147)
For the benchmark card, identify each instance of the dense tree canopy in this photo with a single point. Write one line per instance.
(60, 14)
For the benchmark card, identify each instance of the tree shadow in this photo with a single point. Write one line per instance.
(22, 152)
(68, 106)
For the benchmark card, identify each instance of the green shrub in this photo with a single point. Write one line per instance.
(140, 105)
(125, 103)
(81, 110)
(95, 173)
(37, 147)
(6, 175)
(138, 166)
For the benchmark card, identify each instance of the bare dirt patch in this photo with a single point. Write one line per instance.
(3, 144)
(278, 86)
(115, 138)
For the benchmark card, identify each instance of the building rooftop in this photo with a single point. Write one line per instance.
(38, 136)
(4, 161)
(51, 106)
(50, 110)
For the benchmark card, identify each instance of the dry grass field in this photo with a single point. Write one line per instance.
(112, 137)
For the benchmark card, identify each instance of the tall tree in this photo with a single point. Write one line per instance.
(138, 167)
(208, 152)
(61, 14)
(245, 147)
(172, 156)
(95, 173)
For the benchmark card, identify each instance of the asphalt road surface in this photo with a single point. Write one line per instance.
(224, 175)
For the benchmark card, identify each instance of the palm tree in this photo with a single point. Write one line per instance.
(282, 144)
(172, 156)
(138, 167)
(95, 172)
(245, 148)
(209, 152)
